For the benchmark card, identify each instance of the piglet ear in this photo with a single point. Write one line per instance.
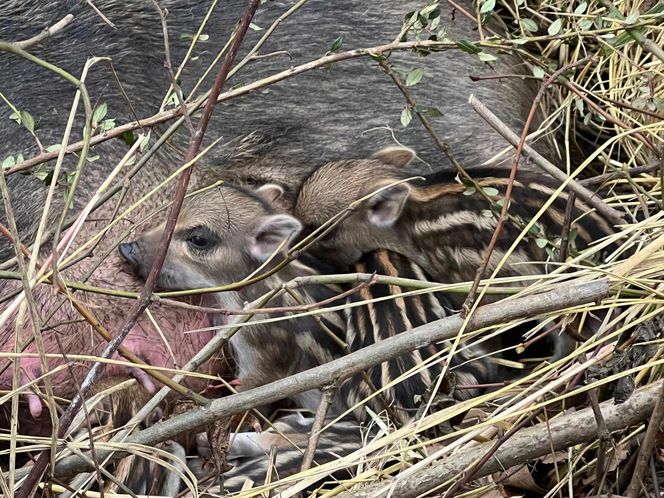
(395, 156)
(385, 207)
(271, 233)
(270, 192)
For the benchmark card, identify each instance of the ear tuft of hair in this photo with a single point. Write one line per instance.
(270, 192)
(395, 156)
(271, 233)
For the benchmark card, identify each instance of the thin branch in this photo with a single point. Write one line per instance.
(647, 446)
(317, 426)
(604, 438)
(46, 33)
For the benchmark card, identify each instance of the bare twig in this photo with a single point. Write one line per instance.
(604, 438)
(46, 33)
(567, 226)
(645, 452)
(100, 14)
(317, 426)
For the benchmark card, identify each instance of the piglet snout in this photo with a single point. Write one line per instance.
(129, 251)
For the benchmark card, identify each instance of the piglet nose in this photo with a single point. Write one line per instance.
(128, 251)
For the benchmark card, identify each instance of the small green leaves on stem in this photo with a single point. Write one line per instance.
(487, 57)
(10, 161)
(98, 120)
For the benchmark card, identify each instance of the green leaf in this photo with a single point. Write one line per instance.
(255, 27)
(581, 8)
(433, 112)
(15, 117)
(579, 104)
(28, 121)
(145, 141)
(54, 147)
(92, 159)
(414, 76)
(633, 18)
(529, 25)
(484, 57)
(519, 41)
(107, 124)
(8, 162)
(469, 191)
(541, 243)
(99, 114)
(336, 44)
(468, 47)
(43, 174)
(487, 6)
(406, 117)
(128, 137)
(490, 191)
(555, 27)
(538, 72)
(203, 37)
(585, 24)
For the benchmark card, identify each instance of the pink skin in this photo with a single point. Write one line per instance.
(144, 340)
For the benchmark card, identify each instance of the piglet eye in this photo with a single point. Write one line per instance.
(199, 242)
